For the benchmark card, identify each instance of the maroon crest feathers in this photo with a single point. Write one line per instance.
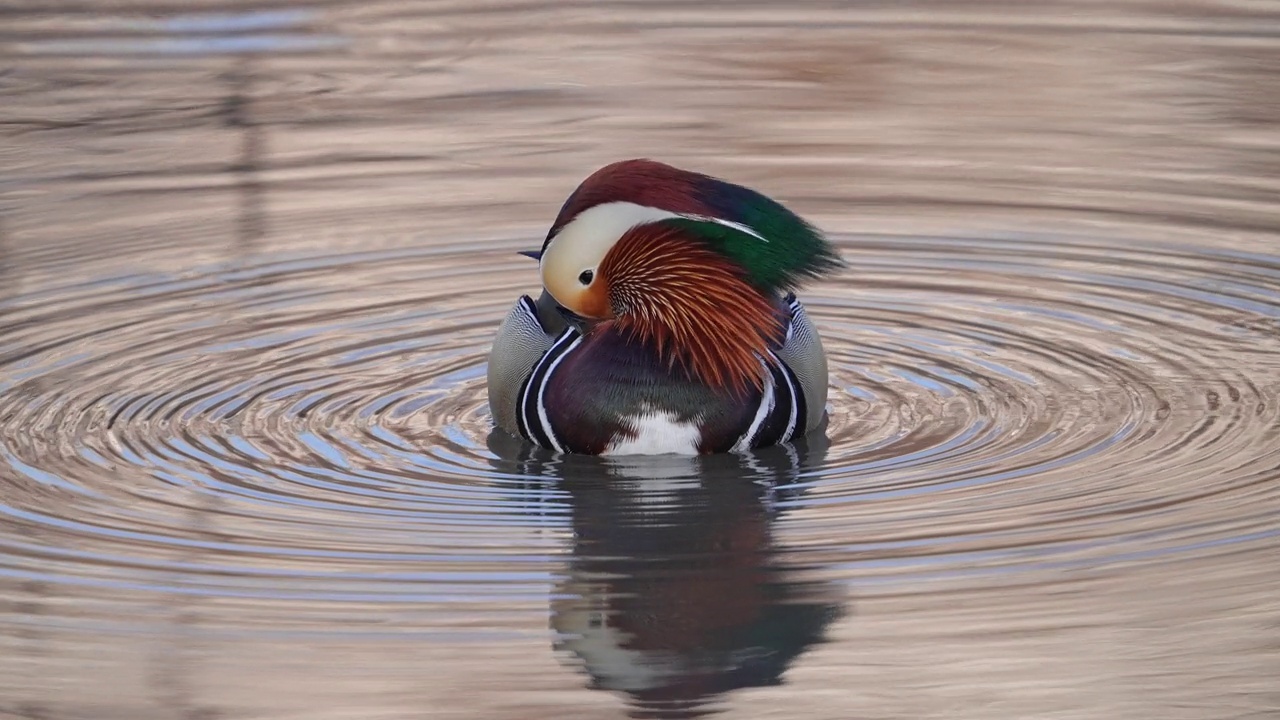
(643, 182)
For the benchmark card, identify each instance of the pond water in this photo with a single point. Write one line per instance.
(252, 257)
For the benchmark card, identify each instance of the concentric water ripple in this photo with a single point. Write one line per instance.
(246, 467)
(308, 432)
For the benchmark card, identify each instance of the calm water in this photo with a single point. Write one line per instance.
(252, 257)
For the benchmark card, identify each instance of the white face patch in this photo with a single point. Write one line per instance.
(582, 244)
(657, 433)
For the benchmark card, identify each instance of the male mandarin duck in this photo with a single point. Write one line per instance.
(666, 322)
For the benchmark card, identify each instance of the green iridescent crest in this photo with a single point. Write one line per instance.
(783, 253)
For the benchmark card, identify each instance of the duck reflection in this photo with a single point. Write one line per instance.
(675, 592)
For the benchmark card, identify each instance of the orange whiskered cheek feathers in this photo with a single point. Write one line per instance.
(595, 300)
(692, 305)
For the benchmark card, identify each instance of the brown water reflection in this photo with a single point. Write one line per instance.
(251, 259)
(675, 593)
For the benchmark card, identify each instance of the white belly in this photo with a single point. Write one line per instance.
(657, 433)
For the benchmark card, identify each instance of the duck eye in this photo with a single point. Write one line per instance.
(586, 277)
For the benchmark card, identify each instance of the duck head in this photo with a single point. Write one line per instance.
(687, 263)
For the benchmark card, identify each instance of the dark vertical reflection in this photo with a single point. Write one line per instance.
(33, 641)
(8, 275)
(251, 220)
(676, 592)
(32, 596)
(173, 679)
(251, 205)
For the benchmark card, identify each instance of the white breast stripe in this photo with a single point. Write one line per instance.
(762, 414)
(522, 410)
(542, 390)
(795, 399)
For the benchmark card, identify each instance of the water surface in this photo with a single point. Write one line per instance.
(252, 257)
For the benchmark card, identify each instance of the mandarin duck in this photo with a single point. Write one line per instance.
(667, 321)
